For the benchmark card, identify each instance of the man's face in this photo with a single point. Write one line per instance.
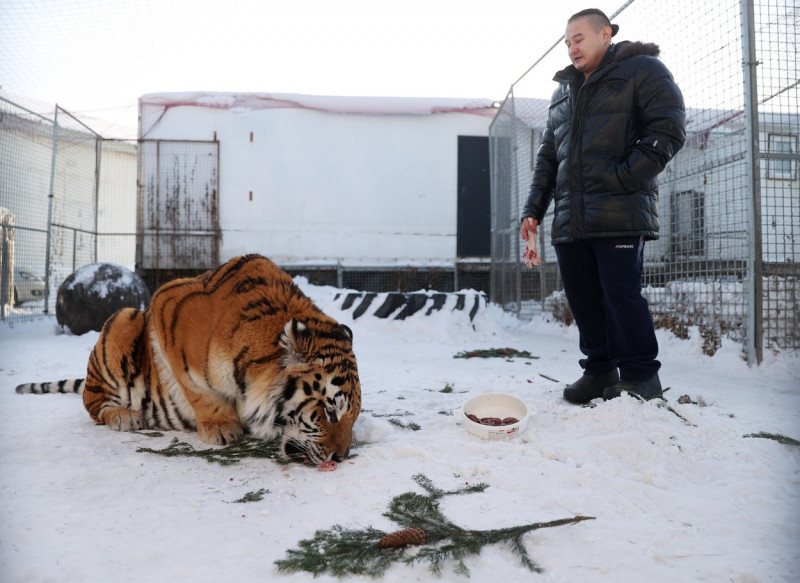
(586, 45)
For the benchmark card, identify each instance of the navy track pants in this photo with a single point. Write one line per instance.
(603, 284)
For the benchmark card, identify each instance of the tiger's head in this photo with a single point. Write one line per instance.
(319, 396)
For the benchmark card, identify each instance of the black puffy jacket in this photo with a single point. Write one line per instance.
(605, 142)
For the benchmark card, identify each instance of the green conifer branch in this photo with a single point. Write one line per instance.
(232, 454)
(228, 455)
(411, 425)
(426, 484)
(507, 353)
(411, 509)
(775, 437)
(256, 496)
(339, 551)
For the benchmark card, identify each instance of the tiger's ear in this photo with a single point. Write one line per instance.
(293, 331)
(347, 331)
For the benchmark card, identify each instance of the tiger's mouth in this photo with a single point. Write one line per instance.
(303, 452)
(310, 453)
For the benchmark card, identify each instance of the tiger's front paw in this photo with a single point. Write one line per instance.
(121, 418)
(220, 433)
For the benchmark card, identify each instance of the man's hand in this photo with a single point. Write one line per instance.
(528, 231)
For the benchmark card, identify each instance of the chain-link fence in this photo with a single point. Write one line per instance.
(727, 259)
(67, 198)
(26, 142)
(152, 207)
(461, 275)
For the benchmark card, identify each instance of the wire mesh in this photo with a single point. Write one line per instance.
(777, 35)
(75, 194)
(116, 204)
(698, 272)
(26, 144)
(67, 199)
(726, 224)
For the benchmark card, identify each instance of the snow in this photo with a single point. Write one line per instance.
(119, 280)
(330, 103)
(674, 500)
(153, 106)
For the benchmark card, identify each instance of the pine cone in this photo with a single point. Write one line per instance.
(401, 538)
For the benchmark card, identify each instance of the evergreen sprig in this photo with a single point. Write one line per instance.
(256, 496)
(339, 551)
(410, 425)
(775, 437)
(426, 484)
(228, 455)
(496, 353)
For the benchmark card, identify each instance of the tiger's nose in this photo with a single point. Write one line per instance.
(335, 457)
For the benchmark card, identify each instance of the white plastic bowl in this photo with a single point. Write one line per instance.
(495, 405)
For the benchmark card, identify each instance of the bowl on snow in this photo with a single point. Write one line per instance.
(495, 416)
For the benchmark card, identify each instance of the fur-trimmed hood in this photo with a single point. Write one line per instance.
(627, 49)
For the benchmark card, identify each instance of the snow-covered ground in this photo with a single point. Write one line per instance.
(674, 499)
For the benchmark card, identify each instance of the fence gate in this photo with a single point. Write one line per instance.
(178, 230)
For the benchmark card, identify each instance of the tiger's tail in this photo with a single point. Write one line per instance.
(66, 386)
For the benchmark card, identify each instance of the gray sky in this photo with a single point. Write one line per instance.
(96, 57)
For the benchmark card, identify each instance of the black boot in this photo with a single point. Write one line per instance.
(590, 386)
(649, 389)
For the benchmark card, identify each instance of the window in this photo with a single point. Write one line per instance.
(687, 223)
(782, 157)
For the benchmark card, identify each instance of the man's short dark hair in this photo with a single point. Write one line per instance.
(598, 17)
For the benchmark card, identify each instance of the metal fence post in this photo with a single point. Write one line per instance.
(514, 242)
(98, 148)
(4, 270)
(50, 197)
(74, 249)
(755, 340)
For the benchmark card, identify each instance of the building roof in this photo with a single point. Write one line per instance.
(154, 105)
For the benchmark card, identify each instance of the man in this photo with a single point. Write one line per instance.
(614, 122)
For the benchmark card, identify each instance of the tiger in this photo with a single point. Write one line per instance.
(234, 351)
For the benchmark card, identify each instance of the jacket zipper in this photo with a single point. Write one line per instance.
(578, 145)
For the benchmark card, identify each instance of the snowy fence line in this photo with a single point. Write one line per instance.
(63, 204)
(727, 260)
(729, 201)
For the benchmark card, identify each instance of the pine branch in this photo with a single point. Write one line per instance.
(544, 376)
(518, 548)
(252, 496)
(426, 484)
(470, 542)
(412, 509)
(339, 551)
(410, 425)
(228, 455)
(506, 353)
(775, 437)
(148, 433)
(663, 403)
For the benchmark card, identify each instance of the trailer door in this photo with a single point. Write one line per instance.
(178, 212)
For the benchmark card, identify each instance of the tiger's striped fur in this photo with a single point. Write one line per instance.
(239, 349)
(65, 386)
